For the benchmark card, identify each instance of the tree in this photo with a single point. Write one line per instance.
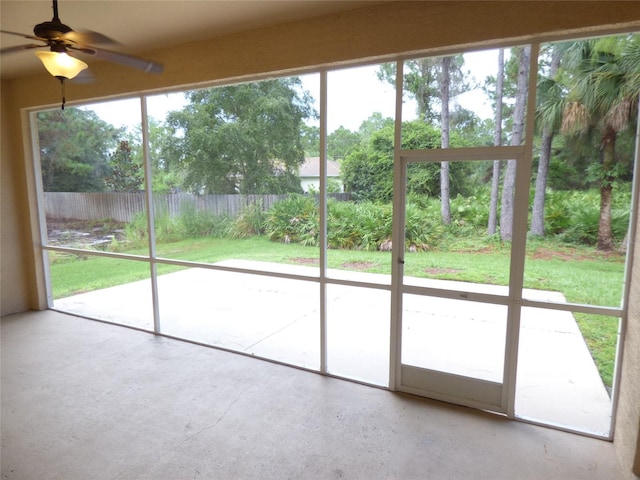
(423, 80)
(126, 174)
(167, 173)
(432, 82)
(470, 127)
(497, 141)
(310, 138)
(368, 175)
(368, 170)
(340, 142)
(508, 186)
(549, 118)
(603, 101)
(419, 80)
(445, 83)
(74, 150)
(509, 91)
(373, 124)
(242, 138)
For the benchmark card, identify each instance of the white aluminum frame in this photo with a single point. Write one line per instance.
(451, 387)
(514, 300)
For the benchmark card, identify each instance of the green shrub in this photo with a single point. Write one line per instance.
(556, 218)
(167, 227)
(574, 215)
(201, 223)
(583, 226)
(189, 224)
(250, 222)
(342, 233)
(422, 231)
(570, 216)
(472, 211)
(358, 226)
(136, 231)
(294, 219)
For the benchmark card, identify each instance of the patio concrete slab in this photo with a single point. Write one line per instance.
(278, 318)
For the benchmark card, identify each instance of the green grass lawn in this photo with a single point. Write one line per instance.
(584, 276)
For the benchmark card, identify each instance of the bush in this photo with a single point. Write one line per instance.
(583, 225)
(250, 222)
(294, 219)
(189, 224)
(166, 230)
(358, 226)
(574, 215)
(422, 231)
(472, 211)
(570, 216)
(200, 223)
(136, 230)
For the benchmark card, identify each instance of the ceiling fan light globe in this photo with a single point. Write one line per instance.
(61, 65)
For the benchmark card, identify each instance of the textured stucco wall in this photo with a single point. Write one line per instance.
(627, 433)
(14, 268)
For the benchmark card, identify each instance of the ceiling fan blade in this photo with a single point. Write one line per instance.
(87, 37)
(148, 66)
(19, 48)
(31, 37)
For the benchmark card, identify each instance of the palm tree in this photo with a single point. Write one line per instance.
(603, 100)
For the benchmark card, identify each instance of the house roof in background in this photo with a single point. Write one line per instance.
(311, 168)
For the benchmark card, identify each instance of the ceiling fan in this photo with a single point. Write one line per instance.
(64, 42)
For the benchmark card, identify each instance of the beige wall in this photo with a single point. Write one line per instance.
(367, 33)
(14, 267)
(627, 434)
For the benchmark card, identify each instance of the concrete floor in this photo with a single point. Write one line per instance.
(88, 400)
(275, 318)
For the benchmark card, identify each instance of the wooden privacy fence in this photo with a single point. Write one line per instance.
(123, 207)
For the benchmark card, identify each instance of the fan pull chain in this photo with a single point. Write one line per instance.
(62, 87)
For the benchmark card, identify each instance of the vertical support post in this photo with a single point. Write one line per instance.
(397, 254)
(323, 221)
(153, 270)
(519, 241)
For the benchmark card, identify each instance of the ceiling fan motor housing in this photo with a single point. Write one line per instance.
(51, 30)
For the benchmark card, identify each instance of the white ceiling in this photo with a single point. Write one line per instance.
(140, 25)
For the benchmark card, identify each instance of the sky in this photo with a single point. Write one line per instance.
(353, 95)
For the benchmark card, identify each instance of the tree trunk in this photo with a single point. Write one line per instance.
(506, 208)
(445, 81)
(605, 236)
(537, 216)
(605, 232)
(495, 190)
(506, 217)
(497, 141)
